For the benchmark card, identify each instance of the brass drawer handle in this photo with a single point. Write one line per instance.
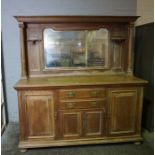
(93, 104)
(70, 94)
(94, 93)
(70, 105)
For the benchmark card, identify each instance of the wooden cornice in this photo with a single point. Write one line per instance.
(75, 19)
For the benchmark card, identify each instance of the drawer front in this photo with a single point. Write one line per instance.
(82, 104)
(66, 94)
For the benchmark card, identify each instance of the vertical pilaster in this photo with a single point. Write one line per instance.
(24, 69)
(130, 48)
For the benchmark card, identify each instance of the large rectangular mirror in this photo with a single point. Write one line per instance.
(83, 48)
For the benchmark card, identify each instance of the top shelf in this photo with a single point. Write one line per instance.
(75, 19)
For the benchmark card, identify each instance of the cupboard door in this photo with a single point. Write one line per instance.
(93, 123)
(39, 111)
(123, 109)
(70, 124)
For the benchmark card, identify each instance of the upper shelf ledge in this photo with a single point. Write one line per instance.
(75, 19)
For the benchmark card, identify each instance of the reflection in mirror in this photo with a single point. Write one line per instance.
(75, 48)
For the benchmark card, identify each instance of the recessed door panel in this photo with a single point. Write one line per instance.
(93, 123)
(71, 124)
(39, 115)
(123, 111)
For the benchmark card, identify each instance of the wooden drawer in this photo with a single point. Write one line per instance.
(100, 103)
(66, 94)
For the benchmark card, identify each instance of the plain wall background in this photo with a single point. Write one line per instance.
(10, 31)
(145, 9)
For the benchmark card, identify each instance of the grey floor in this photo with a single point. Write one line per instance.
(10, 143)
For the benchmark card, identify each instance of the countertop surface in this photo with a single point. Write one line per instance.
(58, 81)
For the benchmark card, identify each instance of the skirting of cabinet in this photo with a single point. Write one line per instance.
(54, 143)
